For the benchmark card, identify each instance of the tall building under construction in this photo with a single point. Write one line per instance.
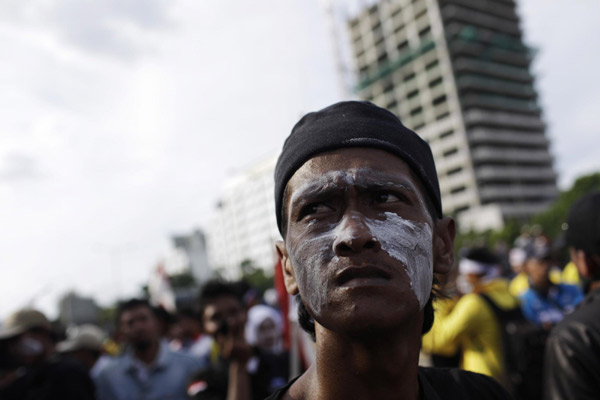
(458, 73)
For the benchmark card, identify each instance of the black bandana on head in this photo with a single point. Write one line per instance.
(354, 124)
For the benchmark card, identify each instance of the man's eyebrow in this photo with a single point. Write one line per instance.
(384, 184)
(369, 178)
(314, 189)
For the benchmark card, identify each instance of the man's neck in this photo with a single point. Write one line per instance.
(376, 367)
(147, 355)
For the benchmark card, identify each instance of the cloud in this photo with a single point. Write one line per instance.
(118, 28)
(19, 167)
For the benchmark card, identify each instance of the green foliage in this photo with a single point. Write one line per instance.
(552, 219)
(256, 276)
(107, 315)
(549, 222)
(182, 280)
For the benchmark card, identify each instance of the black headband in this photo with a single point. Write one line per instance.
(354, 124)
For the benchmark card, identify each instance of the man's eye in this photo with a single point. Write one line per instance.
(315, 208)
(385, 197)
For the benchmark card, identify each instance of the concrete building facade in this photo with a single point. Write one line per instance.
(194, 247)
(74, 309)
(244, 227)
(458, 73)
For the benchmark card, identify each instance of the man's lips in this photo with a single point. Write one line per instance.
(363, 273)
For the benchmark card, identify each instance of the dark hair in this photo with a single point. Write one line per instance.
(214, 289)
(130, 305)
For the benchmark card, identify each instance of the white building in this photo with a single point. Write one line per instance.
(244, 227)
(194, 248)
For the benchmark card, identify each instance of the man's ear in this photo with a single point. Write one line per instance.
(443, 247)
(289, 277)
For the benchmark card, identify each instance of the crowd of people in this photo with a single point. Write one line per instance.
(369, 257)
(218, 348)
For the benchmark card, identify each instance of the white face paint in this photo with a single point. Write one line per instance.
(308, 258)
(407, 241)
(410, 243)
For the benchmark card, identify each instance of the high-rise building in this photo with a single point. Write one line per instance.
(194, 247)
(244, 227)
(76, 310)
(458, 73)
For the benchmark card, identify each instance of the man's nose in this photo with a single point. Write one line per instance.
(354, 236)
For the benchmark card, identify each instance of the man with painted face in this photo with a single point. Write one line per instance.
(358, 206)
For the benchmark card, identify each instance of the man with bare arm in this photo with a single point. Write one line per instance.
(358, 206)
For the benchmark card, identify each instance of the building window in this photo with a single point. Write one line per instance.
(416, 111)
(458, 190)
(403, 46)
(409, 77)
(454, 171)
(389, 86)
(461, 209)
(439, 100)
(450, 152)
(424, 31)
(412, 94)
(446, 134)
(435, 82)
(442, 116)
(432, 64)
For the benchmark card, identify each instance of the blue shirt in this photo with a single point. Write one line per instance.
(561, 299)
(126, 378)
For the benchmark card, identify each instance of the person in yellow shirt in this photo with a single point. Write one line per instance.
(519, 284)
(471, 324)
(570, 274)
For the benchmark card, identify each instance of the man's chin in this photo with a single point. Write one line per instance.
(368, 323)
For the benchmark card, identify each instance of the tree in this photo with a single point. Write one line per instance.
(552, 219)
(182, 280)
(255, 276)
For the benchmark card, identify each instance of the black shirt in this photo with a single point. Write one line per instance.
(572, 365)
(444, 384)
(57, 379)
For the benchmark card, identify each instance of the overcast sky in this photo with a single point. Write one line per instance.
(120, 119)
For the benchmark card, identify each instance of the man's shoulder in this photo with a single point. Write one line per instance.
(189, 360)
(580, 322)
(454, 383)
(586, 312)
(114, 366)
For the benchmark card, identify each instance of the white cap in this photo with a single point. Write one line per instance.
(83, 337)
